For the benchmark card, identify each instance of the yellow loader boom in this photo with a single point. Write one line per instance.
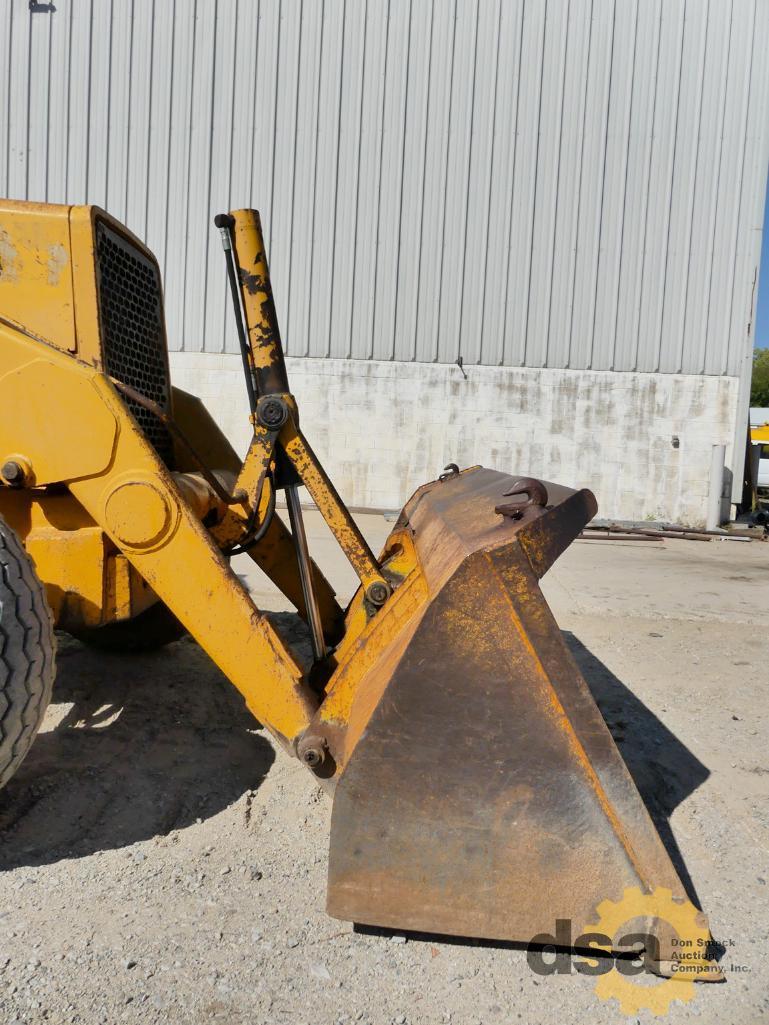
(476, 787)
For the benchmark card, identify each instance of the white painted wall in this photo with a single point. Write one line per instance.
(382, 428)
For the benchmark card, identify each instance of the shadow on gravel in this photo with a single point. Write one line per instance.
(664, 770)
(133, 746)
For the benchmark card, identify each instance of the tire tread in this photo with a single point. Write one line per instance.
(27, 653)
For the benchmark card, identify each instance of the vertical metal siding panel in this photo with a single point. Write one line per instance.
(556, 43)
(453, 249)
(98, 106)
(326, 195)
(487, 58)
(685, 177)
(752, 192)
(79, 102)
(597, 105)
(18, 103)
(206, 67)
(704, 210)
(502, 181)
(730, 188)
(233, 141)
(409, 228)
(265, 115)
(569, 184)
(282, 199)
(220, 161)
(436, 159)
(177, 185)
(614, 188)
(39, 93)
(119, 106)
(297, 316)
(347, 184)
(58, 106)
(6, 45)
(369, 180)
(240, 191)
(243, 71)
(636, 199)
(525, 178)
(139, 115)
(657, 223)
(391, 189)
(157, 182)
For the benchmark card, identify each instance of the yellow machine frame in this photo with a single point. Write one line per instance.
(110, 528)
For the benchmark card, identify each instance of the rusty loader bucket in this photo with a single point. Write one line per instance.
(480, 791)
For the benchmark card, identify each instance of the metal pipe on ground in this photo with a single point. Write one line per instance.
(683, 535)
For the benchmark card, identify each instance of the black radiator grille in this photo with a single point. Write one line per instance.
(132, 332)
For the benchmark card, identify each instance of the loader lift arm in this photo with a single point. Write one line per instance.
(123, 485)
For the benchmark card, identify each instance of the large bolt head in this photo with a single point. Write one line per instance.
(271, 413)
(377, 593)
(312, 751)
(13, 473)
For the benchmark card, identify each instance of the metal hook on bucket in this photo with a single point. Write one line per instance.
(536, 496)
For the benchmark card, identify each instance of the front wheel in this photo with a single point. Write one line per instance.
(27, 653)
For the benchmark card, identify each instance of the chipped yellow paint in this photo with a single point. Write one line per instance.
(119, 587)
(256, 290)
(9, 258)
(58, 258)
(35, 271)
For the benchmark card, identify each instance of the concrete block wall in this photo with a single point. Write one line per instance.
(383, 428)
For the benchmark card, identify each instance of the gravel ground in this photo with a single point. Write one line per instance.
(161, 862)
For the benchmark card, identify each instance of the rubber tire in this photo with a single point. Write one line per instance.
(150, 630)
(27, 653)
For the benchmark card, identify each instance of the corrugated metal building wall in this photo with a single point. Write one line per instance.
(519, 182)
(568, 194)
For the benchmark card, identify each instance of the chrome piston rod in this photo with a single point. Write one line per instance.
(305, 571)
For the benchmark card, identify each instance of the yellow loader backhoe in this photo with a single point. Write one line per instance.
(476, 788)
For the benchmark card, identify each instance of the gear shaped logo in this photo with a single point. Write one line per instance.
(692, 938)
